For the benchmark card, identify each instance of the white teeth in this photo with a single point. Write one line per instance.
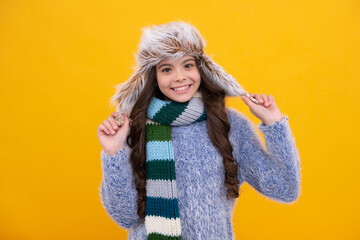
(181, 88)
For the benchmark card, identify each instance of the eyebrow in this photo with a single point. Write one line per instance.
(168, 64)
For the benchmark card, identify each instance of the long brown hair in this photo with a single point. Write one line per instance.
(218, 129)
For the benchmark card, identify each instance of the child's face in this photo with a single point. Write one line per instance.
(178, 79)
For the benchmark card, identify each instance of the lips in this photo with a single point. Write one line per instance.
(181, 88)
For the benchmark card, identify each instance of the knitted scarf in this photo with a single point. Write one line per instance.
(162, 219)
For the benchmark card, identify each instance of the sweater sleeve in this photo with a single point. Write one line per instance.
(118, 192)
(274, 172)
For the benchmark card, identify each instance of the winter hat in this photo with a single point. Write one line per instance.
(172, 40)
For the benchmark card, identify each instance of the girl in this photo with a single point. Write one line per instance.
(175, 171)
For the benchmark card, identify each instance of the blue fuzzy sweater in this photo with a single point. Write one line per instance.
(205, 211)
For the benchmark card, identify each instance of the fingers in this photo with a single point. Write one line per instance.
(109, 127)
(103, 128)
(258, 97)
(114, 114)
(263, 99)
(126, 120)
(112, 121)
(271, 99)
(246, 100)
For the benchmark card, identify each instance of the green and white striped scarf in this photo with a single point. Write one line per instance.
(162, 218)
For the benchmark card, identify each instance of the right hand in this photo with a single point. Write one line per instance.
(111, 136)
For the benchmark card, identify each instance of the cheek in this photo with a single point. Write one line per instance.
(163, 83)
(198, 78)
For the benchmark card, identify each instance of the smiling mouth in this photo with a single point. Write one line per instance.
(181, 88)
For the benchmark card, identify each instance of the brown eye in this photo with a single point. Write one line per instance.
(189, 65)
(166, 70)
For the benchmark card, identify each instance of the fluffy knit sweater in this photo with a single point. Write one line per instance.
(205, 211)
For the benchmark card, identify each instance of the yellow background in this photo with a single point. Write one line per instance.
(60, 61)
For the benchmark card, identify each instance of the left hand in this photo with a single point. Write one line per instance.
(267, 110)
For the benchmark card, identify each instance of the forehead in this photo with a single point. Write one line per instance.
(176, 60)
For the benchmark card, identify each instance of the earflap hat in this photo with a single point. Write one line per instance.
(172, 40)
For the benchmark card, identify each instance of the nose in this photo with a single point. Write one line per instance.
(180, 75)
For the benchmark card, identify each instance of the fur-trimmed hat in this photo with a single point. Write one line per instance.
(172, 40)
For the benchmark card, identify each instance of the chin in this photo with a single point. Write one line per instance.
(181, 98)
(182, 101)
